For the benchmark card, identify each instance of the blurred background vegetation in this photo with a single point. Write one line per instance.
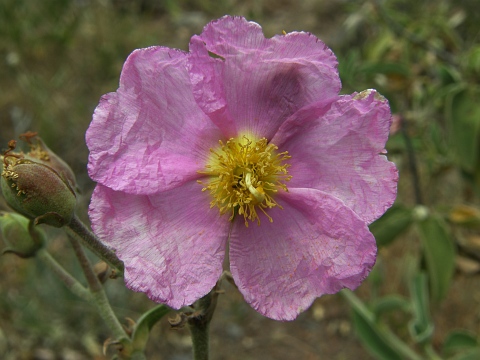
(57, 57)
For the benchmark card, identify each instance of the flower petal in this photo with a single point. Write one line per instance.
(337, 150)
(172, 245)
(257, 83)
(315, 246)
(150, 135)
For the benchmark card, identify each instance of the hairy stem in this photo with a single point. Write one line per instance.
(199, 323)
(98, 294)
(200, 340)
(80, 230)
(70, 282)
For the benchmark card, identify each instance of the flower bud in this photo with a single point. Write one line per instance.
(39, 152)
(17, 236)
(37, 191)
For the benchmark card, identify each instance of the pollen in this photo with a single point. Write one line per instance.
(244, 176)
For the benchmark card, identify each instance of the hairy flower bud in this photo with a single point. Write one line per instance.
(17, 237)
(36, 190)
(39, 152)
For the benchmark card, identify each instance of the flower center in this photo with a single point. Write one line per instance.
(245, 175)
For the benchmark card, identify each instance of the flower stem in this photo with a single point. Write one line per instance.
(98, 294)
(200, 340)
(199, 323)
(89, 239)
(107, 314)
(70, 282)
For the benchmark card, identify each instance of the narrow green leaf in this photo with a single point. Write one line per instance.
(372, 339)
(382, 44)
(473, 59)
(144, 325)
(392, 68)
(390, 303)
(459, 340)
(377, 337)
(473, 354)
(465, 127)
(421, 326)
(439, 253)
(396, 220)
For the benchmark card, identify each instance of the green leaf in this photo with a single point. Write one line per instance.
(144, 325)
(448, 74)
(473, 354)
(382, 44)
(395, 221)
(389, 68)
(390, 303)
(369, 331)
(439, 253)
(464, 116)
(421, 326)
(372, 338)
(473, 59)
(459, 340)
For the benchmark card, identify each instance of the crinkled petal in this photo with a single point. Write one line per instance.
(315, 246)
(171, 243)
(150, 135)
(253, 84)
(338, 150)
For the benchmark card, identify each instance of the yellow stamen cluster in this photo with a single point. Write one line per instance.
(10, 160)
(245, 175)
(37, 152)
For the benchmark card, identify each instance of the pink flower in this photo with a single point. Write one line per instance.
(243, 140)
